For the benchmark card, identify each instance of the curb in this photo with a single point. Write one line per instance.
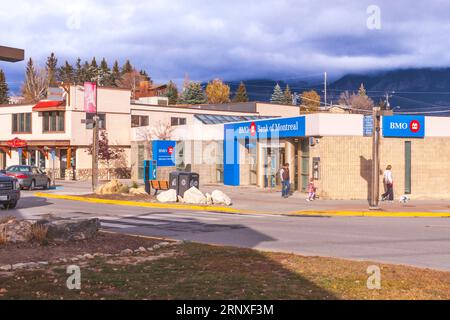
(140, 204)
(320, 213)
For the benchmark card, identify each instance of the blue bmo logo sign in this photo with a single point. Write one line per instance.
(404, 126)
(164, 153)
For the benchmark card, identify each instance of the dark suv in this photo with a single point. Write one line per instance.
(9, 191)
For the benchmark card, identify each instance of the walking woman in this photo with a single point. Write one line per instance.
(389, 182)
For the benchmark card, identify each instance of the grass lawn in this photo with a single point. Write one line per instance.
(196, 271)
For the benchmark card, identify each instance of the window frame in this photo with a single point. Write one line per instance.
(16, 121)
(48, 121)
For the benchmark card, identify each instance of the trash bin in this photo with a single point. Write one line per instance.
(183, 181)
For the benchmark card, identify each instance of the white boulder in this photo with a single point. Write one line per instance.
(138, 191)
(209, 199)
(167, 196)
(219, 197)
(194, 196)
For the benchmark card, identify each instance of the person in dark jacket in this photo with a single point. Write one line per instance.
(285, 181)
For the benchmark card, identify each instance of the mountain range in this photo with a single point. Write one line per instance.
(410, 90)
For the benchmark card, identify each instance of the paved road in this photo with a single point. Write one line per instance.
(423, 242)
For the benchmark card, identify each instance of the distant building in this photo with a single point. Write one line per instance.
(147, 89)
(16, 100)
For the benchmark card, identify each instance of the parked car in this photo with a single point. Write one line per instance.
(9, 191)
(29, 177)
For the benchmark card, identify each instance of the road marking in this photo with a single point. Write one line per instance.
(114, 225)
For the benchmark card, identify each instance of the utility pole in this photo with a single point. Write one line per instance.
(375, 176)
(325, 89)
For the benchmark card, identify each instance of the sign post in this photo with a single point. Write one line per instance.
(53, 154)
(90, 106)
(375, 181)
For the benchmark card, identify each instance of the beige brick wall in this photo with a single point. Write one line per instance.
(346, 162)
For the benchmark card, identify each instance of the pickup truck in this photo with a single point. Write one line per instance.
(9, 191)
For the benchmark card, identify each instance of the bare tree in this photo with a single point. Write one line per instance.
(159, 131)
(36, 83)
(357, 103)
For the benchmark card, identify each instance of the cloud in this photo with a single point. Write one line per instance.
(230, 39)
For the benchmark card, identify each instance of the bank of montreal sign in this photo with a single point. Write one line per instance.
(164, 152)
(282, 128)
(404, 126)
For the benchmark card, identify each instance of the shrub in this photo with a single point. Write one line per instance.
(38, 233)
(124, 189)
(3, 239)
(6, 219)
(134, 185)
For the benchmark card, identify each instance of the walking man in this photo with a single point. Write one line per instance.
(285, 181)
(389, 182)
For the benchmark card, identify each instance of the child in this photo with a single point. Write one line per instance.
(311, 190)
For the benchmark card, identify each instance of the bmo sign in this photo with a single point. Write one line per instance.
(404, 126)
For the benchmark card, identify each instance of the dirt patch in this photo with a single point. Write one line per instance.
(102, 243)
(123, 197)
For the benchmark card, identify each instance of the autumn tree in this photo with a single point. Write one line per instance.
(35, 85)
(4, 98)
(277, 95)
(131, 81)
(358, 103)
(193, 94)
(172, 93)
(51, 67)
(218, 92)
(310, 101)
(287, 96)
(241, 94)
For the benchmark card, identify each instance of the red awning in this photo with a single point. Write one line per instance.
(48, 105)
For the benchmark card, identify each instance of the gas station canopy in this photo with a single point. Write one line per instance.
(11, 54)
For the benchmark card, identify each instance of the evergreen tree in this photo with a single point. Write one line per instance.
(172, 93)
(78, 73)
(127, 67)
(115, 74)
(193, 94)
(66, 73)
(87, 73)
(4, 99)
(287, 96)
(362, 91)
(277, 96)
(145, 76)
(94, 70)
(51, 67)
(104, 74)
(241, 94)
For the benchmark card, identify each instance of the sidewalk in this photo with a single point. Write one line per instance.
(252, 199)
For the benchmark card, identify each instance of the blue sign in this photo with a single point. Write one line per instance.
(164, 152)
(404, 126)
(368, 126)
(281, 128)
(250, 132)
(150, 170)
(53, 154)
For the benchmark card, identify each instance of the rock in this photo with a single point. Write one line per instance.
(149, 249)
(74, 259)
(138, 191)
(142, 249)
(6, 267)
(71, 230)
(88, 256)
(16, 230)
(194, 196)
(209, 199)
(167, 196)
(156, 247)
(126, 252)
(43, 263)
(180, 199)
(164, 244)
(112, 187)
(18, 266)
(219, 197)
(31, 265)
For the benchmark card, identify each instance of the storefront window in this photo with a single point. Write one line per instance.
(139, 121)
(177, 121)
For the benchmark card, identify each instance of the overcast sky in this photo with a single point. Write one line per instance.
(232, 40)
